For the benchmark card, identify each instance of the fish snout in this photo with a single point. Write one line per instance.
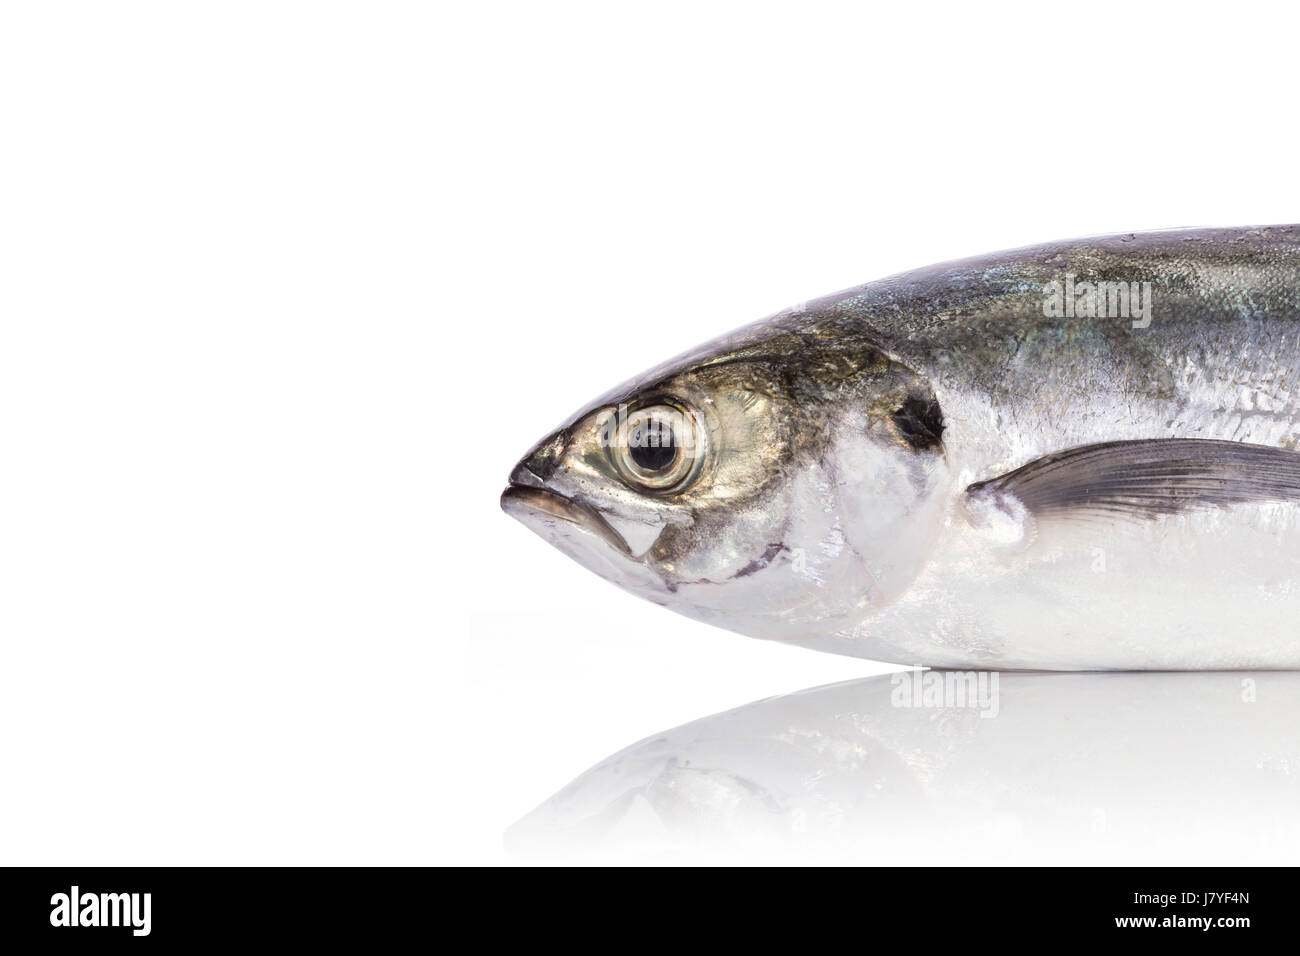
(537, 467)
(572, 526)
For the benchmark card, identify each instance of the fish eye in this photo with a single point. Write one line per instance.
(657, 448)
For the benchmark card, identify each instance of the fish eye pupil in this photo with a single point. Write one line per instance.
(653, 446)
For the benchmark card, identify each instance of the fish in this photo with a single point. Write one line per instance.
(902, 767)
(1081, 455)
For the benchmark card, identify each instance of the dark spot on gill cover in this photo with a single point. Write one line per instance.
(919, 422)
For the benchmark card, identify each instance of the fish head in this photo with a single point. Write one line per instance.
(775, 487)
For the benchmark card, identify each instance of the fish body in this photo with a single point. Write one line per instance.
(1081, 455)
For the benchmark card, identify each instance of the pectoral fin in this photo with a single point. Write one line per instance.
(1142, 479)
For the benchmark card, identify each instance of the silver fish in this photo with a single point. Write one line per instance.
(1080, 455)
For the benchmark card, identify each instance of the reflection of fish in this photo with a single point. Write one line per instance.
(1072, 456)
(1174, 768)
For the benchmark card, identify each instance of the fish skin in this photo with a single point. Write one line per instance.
(881, 405)
(1221, 358)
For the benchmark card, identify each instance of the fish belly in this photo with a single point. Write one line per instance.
(1217, 588)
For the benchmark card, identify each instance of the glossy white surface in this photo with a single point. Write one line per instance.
(903, 769)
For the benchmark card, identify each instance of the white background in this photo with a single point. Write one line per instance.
(286, 289)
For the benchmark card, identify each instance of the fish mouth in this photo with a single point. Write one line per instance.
(555, 517)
